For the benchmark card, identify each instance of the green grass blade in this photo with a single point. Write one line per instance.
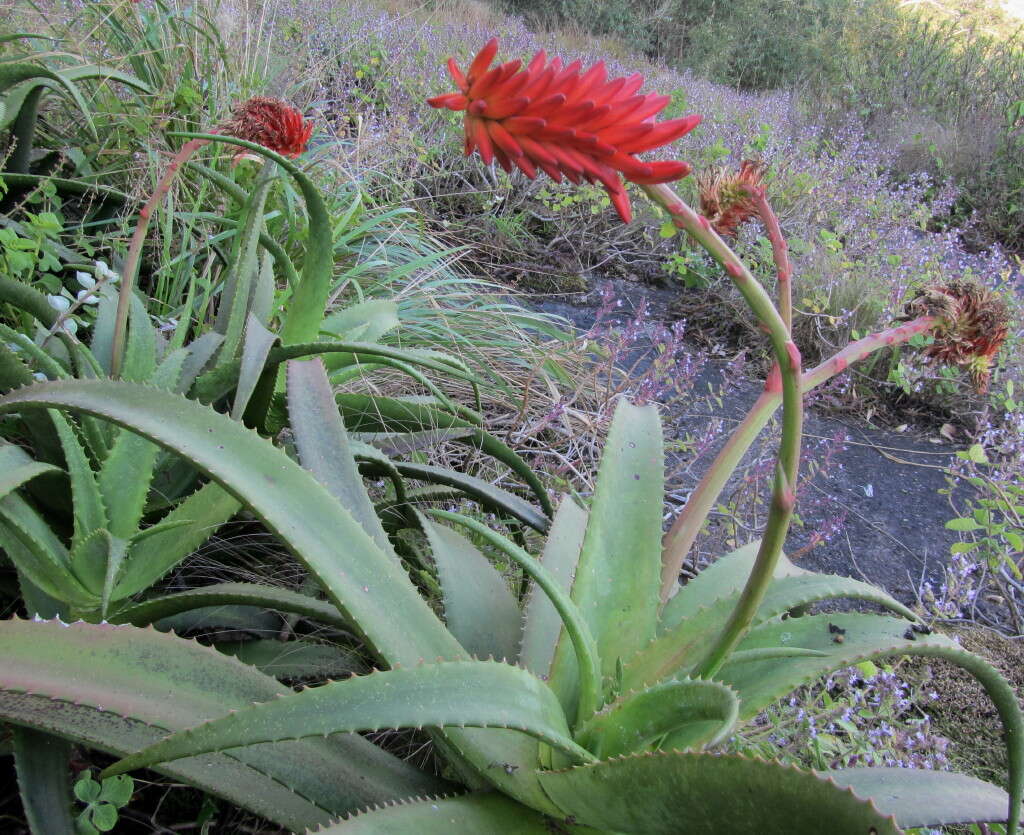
(364, 413)
(232, 594)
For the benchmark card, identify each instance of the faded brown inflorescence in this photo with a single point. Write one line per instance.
(272, 123)
(975, 322)
(724, 197)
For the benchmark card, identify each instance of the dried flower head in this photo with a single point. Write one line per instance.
(271, 123)
(974, 325)
(724, 197)
(565, 121)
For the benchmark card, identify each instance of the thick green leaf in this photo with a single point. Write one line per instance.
(151, 558)
(43, 765)
(89, 559)
(37, 552)
(236, 294)
(368, 587)
(456, 693)
(323, 445)
(257, 344)
(17, 467)
(140, 351)
(542, 629)
(231, 594)
(760, 683)
(365, 321)
(925, 798)
(13, 73)
(479, 609)
(576, 627)
(294, 659)
(619, 571)
(490, 813)
(683, 644)
(127, 472)
(691, 712)
(107, 687)
(723, 578)
(685, 792)
(90, 513)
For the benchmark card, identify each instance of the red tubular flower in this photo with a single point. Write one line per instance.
(565, 122)
(272, 123)
(724, 199)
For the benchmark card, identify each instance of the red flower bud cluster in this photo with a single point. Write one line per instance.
(565, 121)
(272, 123)
(724, 199)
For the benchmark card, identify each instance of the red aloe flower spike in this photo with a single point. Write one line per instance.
(565, 121)
(277, 125)
(457, 76)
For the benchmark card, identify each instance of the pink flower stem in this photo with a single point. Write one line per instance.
(684, 530)
(780, 252)
(787, 357)
(129, 273)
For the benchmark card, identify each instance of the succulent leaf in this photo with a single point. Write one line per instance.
(618, 575)
(672, 792)
(690, 712)
(918, 798)
(542, 630)
(479, 609)
(106, 687)
(456, 693)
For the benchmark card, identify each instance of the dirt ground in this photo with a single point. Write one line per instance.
(884, 484)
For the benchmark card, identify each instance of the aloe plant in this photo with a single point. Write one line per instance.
(597, 717)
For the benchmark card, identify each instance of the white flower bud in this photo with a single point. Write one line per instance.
(84, 279)
(85, 297)
(59, 303)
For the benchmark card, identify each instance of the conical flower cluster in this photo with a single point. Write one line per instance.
(272, 123)
(975, 322)
(724, 199)
(565, 121)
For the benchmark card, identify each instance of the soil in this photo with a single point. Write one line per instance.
(883, 483)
